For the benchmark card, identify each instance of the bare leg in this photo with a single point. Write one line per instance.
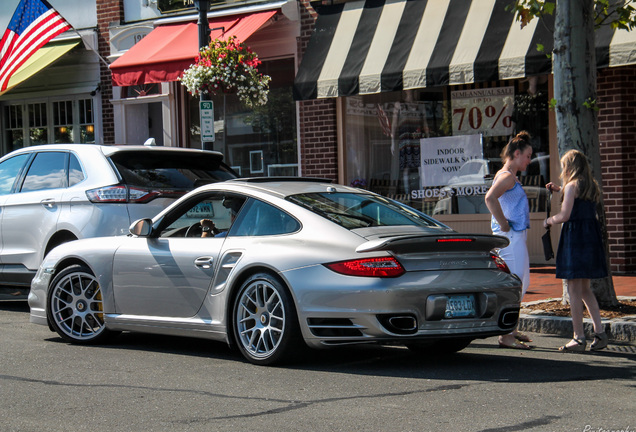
(592, 305)
(575, 289)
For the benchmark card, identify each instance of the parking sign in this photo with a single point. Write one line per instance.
(206, 109)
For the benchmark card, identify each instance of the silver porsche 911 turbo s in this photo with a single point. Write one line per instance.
(273, 265)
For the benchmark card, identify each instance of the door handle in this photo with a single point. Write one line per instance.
(204, 262)
(49, 202)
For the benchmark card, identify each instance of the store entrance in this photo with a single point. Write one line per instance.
(144, 121)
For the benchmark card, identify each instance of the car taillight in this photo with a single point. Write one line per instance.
(136, 195)
(500, 263)
(370, 267)
(455, 240)
(121, 194)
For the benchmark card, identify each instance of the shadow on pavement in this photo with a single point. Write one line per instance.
(481, 361)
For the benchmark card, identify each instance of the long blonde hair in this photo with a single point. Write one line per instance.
(576, 169)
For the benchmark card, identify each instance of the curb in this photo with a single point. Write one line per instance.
(618, 329)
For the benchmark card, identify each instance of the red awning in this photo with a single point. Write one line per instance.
(166, 51)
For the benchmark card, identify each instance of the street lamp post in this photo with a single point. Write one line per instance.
(204, 39)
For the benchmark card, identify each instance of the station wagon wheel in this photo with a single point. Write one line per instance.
(75, 306)
(264, 321)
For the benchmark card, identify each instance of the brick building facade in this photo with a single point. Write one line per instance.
(317, 118)
(617, 133)
(108, 12)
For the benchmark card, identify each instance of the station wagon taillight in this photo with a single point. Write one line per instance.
(127, 194)
(369, 267)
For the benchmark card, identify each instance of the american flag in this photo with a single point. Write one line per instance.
(33, 24)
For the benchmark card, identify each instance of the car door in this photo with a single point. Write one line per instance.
(169, 273)
(30, 215)
(10, 170)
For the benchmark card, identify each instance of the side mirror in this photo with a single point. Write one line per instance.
(141, 228)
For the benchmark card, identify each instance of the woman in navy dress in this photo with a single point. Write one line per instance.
(580, 255)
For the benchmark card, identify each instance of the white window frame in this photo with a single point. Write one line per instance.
(49, 102)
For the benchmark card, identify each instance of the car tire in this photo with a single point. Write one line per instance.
(75, 306)
(439, 347)
(264, 321)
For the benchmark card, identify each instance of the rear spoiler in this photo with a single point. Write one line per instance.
(436, 243)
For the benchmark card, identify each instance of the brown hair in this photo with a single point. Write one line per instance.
(520, 142)
(575, 168)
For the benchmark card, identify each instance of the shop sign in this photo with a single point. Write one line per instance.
(167, 6)
(455, 160)
(483, 111)
(449, 191)
(127, 38)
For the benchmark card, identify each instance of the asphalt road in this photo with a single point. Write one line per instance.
(157, 383)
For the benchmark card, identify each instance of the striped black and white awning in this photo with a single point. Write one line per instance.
(373, 46)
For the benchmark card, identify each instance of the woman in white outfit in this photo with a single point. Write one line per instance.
(508, 203)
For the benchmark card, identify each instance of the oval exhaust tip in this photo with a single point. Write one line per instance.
(403, 323)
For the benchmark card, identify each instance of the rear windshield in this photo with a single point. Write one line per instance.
(353, 210)
(170, 170)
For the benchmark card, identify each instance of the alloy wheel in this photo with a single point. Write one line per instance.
(260, 319)
(76, 307)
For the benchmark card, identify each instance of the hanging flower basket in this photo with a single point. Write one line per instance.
(227, 66)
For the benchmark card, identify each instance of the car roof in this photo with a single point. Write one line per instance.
(109, 150)
(282, 186)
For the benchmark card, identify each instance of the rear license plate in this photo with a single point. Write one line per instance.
(460, 306)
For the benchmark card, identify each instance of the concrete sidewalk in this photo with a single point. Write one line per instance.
(544, 285)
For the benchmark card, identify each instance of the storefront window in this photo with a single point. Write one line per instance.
(86, 121)
(28, 124)
(14, 131)
(38, 132)
(63, 122)
(438, 149)
(258, 142)
(140, 90)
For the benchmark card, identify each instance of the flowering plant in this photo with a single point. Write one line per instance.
(228, 66)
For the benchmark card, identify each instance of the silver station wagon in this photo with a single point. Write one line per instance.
(272, 266)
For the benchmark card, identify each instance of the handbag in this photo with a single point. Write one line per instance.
(548, 252)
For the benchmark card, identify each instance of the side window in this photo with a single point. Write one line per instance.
(46, 172)
(75, 173)
(9, 170)
(221, 209)
(261, 219)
